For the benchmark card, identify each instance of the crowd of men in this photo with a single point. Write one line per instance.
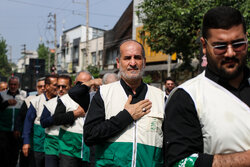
(121, 121)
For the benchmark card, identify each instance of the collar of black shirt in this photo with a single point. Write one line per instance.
(13, 94)
(214, 77)
(140, 91)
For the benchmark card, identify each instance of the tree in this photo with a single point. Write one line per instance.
(5, 67)
(175, 25)
(94, 71)
(43, 53)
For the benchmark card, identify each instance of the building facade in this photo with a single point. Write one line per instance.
(75, 54)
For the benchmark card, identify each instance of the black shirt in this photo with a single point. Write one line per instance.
(97, 129)
(181, 126)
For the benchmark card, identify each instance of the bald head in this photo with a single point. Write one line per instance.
(128, 42)
(83, 76)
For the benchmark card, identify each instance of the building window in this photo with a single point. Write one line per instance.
(94, 60)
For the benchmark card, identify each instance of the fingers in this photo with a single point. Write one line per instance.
(147, 107)
(129, 100)
(25, 150)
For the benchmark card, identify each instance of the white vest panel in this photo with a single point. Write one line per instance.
(148, 129)
(224, 118)
(71, 105)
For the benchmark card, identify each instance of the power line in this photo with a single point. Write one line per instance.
(63, 9)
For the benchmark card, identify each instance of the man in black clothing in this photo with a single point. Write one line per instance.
(125, 117)
(70, 156)
(207, 118)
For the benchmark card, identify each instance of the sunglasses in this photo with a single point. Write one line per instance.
(40, 86)
(222, 48)
(63, 86)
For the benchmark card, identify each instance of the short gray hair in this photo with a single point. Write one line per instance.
(84, 71)
(13, 78)
(107, 75)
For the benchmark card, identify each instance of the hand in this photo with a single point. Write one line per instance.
(16, 134)
(94, 82)
(26, 148)
(12, 102)
(136, 110)
(79, 112)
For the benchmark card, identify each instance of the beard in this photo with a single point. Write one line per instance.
(222, 71)
(128, 77)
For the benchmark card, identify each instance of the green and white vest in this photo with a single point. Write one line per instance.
(224, 118)
(38, 131)
(51, 143)
(140, 144)
(28, 99)
(8, 116)
(71, 137)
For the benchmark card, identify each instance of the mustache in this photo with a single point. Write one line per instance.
(230, 59)
(133, 68)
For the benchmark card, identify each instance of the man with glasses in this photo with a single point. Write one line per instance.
(207, 118)
(51, 145)
(33, 133)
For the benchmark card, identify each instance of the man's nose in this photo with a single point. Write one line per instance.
(230, 52)
(132, 62)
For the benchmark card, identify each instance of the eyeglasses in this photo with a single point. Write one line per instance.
(222, 48)
(63, 86)
(40, 86)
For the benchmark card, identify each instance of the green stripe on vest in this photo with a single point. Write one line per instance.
(149, 156)
(38, 138)
(51, 145)
(120, 154)
(7, 119)
(70, 143)
(187, 162)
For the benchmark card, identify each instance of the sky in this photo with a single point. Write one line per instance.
(27, 22)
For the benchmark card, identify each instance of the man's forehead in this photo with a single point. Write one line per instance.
(129, 44)
(41, 82)
(233, 32)
(63, 80)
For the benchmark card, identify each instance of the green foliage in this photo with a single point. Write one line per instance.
(94, 71)
(43, 53)
(175, 25)
(147, 79)
(5, 67)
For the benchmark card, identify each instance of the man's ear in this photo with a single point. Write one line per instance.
(117, 63)
(203, 42)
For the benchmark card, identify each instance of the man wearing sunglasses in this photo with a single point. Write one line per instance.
(207, 118)
(51, 145)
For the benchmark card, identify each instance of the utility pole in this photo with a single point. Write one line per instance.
(55, 42)
(24, 53)
(10, 53)
(52, 26)
(87, 31)
(169, 65)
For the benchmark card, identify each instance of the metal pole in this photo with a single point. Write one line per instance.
(169, 65)
(87, 31)
(55, 43)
